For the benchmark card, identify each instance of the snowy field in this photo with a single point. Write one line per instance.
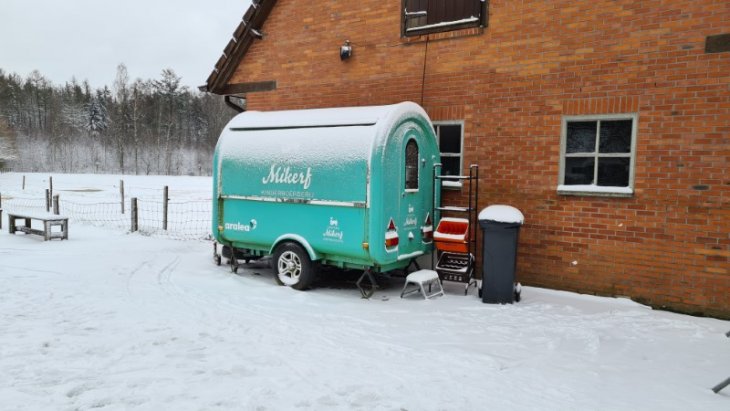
(117, 321)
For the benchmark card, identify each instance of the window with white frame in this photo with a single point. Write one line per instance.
(597, 154)
(450, 137)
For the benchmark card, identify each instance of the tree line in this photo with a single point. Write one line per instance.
(154, 126)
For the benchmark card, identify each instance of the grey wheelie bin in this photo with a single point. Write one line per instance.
(500, 228)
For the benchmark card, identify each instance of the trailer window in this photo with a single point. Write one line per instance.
(412, 165)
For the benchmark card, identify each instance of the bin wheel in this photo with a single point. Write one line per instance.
(217, 259)
(293, 266)
(234, 269)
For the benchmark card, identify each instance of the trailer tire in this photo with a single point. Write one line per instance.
(293, 266)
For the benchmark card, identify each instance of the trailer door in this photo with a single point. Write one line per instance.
(411, 209)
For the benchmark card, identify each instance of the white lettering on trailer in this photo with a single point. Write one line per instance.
(333, 231)
(283, 175)
(241, 227)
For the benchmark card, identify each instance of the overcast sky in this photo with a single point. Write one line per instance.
(89, 38)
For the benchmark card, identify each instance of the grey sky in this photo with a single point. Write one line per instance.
(89, 38)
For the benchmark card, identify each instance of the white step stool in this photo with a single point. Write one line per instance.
(420, 279)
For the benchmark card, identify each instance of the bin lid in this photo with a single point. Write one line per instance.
(502, 214)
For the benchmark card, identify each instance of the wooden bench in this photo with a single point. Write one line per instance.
(49, 221)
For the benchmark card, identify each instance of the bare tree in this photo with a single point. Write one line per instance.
(8, 152)
(166, 127)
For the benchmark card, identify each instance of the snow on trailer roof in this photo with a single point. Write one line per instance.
(323, 117)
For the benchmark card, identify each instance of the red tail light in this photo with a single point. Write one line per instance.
(391, 235)
(391, 225)
(427, 230)
(391, 241)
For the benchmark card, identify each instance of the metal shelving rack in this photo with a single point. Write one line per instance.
(456, 266)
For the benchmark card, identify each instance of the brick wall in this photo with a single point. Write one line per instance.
(669, 244)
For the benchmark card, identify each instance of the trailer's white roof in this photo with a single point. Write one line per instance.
(324, 117)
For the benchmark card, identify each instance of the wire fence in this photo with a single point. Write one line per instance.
(184, 219)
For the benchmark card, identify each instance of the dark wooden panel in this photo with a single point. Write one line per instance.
(242, 88)
(717, 44)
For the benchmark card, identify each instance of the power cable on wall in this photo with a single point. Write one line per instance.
(423, 77)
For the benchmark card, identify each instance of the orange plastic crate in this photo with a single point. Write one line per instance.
(452, 234)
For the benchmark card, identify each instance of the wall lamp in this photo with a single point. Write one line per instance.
(345, 50)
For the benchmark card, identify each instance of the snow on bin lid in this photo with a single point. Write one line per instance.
(323, 117)
(502, 214)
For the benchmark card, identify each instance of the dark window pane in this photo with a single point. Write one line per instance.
(451, 166)
(450, 139)
(581, 137)
(431, 13)
(579, 170)
(411, 165)
(613, 172)
(615, 136)
(415, 6)
(440, 11)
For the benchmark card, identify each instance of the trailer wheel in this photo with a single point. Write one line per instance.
(293, 266)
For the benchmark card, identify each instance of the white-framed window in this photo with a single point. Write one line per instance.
(450, 137)
(597, 154)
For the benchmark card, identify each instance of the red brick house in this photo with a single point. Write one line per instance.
(607, 122)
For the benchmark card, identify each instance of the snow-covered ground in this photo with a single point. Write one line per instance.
(118, 321)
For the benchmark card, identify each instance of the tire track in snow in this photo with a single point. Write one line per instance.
(133, 273)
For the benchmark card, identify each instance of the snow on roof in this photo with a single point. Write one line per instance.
(502, 214)
(323, 117)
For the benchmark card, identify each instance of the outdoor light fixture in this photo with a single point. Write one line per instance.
(257, 34)
(345, 51)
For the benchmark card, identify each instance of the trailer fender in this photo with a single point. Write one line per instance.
(313, 255)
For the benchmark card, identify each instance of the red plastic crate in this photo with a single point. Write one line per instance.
(452, 234)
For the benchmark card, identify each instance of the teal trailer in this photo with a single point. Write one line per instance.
(349, 187)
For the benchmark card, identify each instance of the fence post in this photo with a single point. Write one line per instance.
(50, 186)
(133, 206)
(1, 200)
(164, 208)
(55, 205)
(23, 183)
(121, 192)
(48, 201)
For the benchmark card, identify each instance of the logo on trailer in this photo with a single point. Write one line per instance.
(284, 175)
(411, 220)
(241, 227)
(333, 232)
